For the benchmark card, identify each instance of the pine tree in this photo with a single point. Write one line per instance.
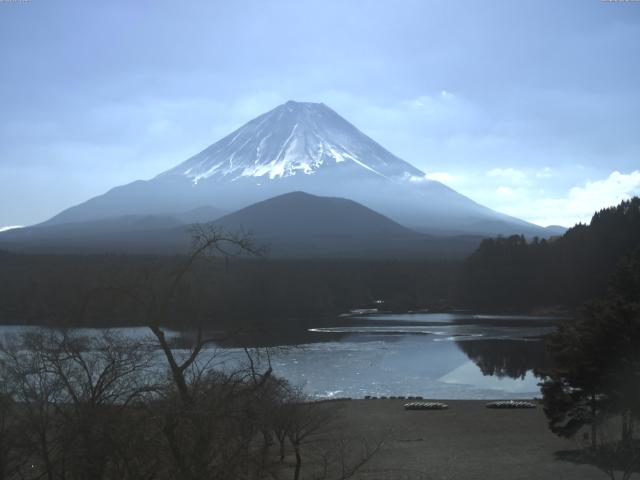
(596, 359)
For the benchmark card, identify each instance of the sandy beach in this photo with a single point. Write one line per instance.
(466, 441)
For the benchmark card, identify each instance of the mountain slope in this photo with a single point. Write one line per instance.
(301, 225)
(302, 147)
(121, 234)
(293, 139)
(125, 234)
(293, 225)
(300, 214)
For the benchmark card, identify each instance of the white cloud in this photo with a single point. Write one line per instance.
(443, 103)
(546, 172)
(581, 202)
(414, 178)
(10, 227)
(419, 102)
(443, 177)
(553, 203)
(511, 174)
(503, 191)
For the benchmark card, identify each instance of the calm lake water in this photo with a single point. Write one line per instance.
(445, 356)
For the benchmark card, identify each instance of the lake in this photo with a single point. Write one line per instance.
(435, 355)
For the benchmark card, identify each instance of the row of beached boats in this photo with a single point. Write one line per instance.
(422, 405)
(503, 404)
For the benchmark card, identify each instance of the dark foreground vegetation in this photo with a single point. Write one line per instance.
(108, 407)
(595, 382)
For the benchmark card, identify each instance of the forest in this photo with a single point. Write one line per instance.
(567, 271)
(509, 274)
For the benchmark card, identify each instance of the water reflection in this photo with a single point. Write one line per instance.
(446, 356)
(506, 358)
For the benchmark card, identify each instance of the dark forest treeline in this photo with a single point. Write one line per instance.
(94, 289)
(503, 274)
(567, 271)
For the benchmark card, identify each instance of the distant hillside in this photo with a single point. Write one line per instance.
(293, 225)
(514, 273)
(301, 225)
(555, 230)
(150, 234)
(301, 214)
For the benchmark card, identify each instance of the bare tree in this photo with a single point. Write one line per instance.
(107, 406)
(307, 419)
(345, 455)
(316, 434)
(209, 243)
(24, 375)
(208, 420)
(73, 392)
(12, 452)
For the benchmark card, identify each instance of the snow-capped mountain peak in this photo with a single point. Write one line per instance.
(303, 147)
(295, 138)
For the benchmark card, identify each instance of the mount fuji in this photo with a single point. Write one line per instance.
(301, 147)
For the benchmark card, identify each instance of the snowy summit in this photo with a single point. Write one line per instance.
(301, 147)
(293, 138)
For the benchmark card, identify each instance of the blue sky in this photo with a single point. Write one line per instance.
(530, 107)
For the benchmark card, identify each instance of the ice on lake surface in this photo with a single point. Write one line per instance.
(442, 356)
(398, 366)
(446, 356)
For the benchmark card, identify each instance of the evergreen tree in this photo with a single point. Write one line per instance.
(518, 274)
(597, 361)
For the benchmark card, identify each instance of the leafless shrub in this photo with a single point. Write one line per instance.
(110, 407)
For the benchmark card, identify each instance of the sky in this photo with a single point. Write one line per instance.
(531, 108)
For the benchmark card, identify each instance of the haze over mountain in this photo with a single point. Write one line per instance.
(301, 147)
(295, 224)
(302, 225)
